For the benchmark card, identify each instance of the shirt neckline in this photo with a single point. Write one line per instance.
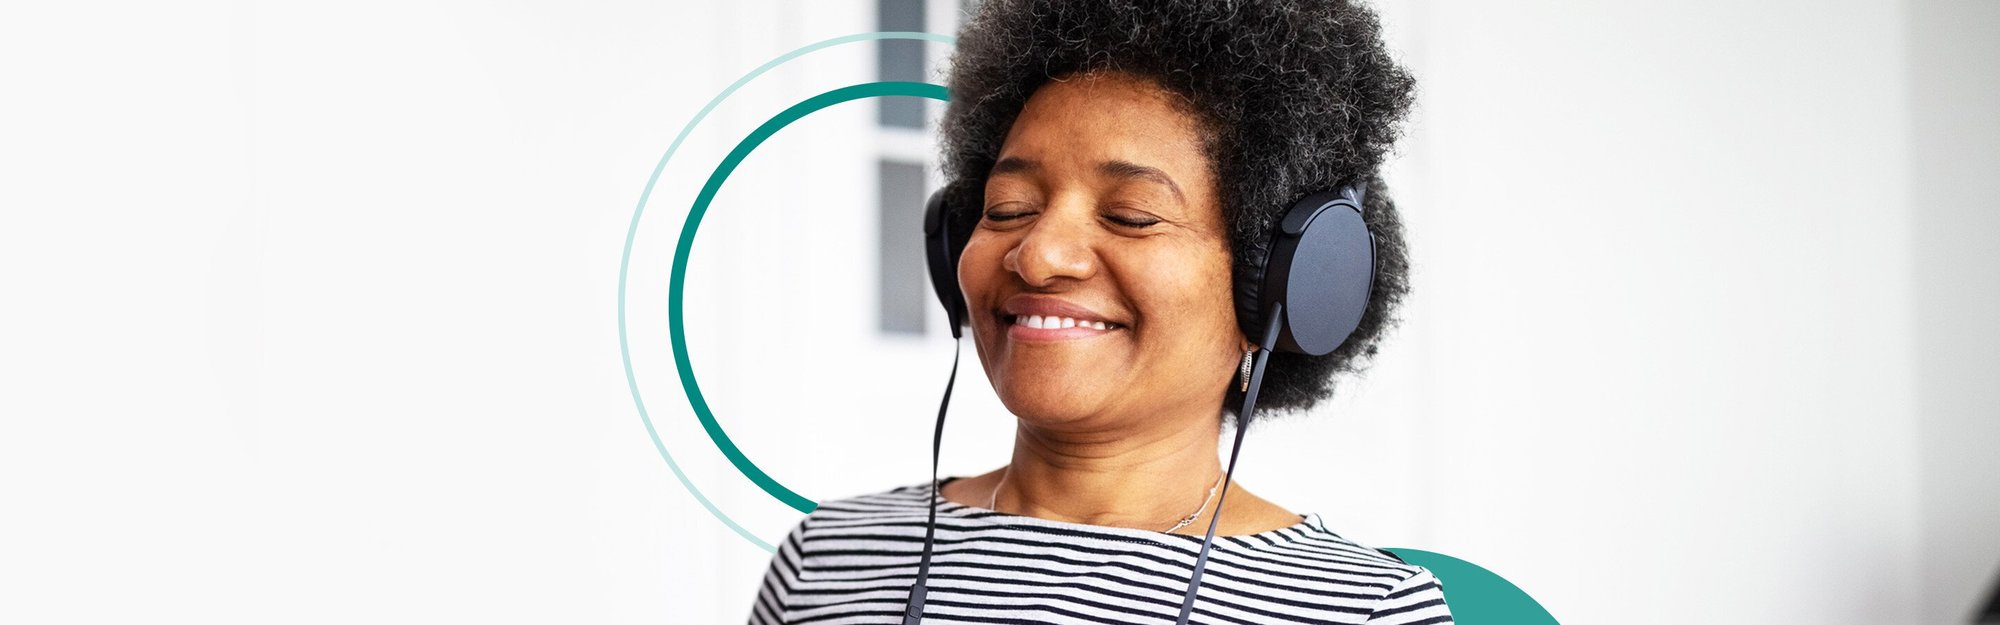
(1309, 523)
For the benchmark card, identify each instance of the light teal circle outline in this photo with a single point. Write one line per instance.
(632, 233)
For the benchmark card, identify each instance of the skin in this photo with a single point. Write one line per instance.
(1103, 198)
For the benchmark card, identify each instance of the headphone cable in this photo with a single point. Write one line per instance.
(913, 612)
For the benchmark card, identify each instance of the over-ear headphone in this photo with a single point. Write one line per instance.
(1318, 274)
(1306, 296)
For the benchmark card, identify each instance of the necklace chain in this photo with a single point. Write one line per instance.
(1184, 522)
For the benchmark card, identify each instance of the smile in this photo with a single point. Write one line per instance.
(1039, 322)
(1051, 328)
(1037, 317)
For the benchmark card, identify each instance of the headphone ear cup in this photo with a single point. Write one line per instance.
(941, 255)
(1322, 268)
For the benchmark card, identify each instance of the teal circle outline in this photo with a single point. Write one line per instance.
(632, 232)
(677, 328)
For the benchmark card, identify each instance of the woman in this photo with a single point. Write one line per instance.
(1114, 164)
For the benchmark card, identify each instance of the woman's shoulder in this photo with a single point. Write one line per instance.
(1311, 540)
(894, 501)
(1401, 585)
(895, 506)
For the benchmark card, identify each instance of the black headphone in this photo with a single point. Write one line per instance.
(1319, 273)
(1306, 296)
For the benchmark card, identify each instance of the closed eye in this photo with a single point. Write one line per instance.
(1130, 222)
(999, 215)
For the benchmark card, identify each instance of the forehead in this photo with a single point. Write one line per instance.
(1086, 119)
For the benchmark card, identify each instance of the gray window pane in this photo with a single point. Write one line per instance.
(905, 287)
(901, 59)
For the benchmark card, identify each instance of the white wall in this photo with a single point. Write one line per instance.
(1953, 196)
(309, 312)
(1661, 356)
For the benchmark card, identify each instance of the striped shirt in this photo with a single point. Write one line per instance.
(853, 561)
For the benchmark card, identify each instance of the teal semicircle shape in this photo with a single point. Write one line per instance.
(676, 300)
(1475, 595)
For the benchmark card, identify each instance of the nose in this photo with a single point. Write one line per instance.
(1058, 246)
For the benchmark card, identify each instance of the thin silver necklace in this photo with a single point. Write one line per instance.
(1184, 522)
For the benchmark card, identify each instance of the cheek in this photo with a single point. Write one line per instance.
(1193, 339)
(1191, 292)
(978, 267)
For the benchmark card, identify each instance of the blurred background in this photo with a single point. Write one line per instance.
(311, 311)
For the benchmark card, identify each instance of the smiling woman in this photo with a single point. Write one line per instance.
(1118, 169)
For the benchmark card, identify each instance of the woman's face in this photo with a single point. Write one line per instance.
(1102, 209)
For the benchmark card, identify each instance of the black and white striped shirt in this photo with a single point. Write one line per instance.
(853, 561)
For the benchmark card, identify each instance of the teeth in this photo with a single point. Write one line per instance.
(1054, 323)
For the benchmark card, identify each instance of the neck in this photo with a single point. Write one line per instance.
(1146, 480)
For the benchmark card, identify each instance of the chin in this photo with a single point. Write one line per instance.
(1043, 408)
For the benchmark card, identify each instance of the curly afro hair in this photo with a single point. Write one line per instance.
(1294, 96)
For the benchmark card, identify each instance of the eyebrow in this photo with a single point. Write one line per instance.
(1114, 168)
(1128, 169)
